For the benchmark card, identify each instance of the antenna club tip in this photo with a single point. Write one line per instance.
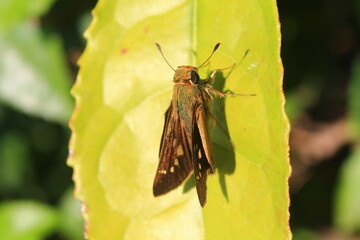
(158, 45)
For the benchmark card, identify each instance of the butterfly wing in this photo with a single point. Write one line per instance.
(185, 144)
(175, 162)
(202, 154)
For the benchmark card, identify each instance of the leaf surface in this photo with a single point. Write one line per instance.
(122, 91)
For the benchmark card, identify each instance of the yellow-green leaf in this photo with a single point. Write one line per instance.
(122, 91)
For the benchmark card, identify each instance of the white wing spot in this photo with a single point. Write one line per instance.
(172, 169)
(199, 174)
(176, 162)
(179, 151)
(199, 165)
(199, 154)
(162, 171)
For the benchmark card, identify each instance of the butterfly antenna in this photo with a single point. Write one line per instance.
(244, 55)
(159, 48)
(215, 48)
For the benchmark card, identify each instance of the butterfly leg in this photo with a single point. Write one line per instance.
(217, 93)
(212, 75)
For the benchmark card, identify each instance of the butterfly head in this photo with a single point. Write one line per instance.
(186, 74)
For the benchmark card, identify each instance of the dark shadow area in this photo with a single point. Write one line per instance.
(315, 193)
(224, 155)
(32, 154)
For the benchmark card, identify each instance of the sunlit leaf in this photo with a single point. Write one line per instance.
(122, 92)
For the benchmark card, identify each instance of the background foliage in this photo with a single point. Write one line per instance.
(322, 84)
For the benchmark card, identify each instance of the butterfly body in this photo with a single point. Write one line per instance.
(185, 145)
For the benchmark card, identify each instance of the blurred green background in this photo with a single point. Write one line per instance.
(40, 43)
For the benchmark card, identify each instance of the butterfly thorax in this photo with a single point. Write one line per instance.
(186, 75)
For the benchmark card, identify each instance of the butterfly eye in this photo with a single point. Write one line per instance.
(194, 77)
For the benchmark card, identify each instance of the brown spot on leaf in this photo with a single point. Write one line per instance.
(123, 51)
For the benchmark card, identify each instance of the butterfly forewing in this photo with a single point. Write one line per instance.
(202, 160)
(175, 158)
(202, 125)
(201, 167)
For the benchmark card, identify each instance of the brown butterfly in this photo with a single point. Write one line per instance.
(185, 144)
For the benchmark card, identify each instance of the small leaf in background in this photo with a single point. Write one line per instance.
(354, 99)
(26, 220)
(122, 92)
(71, 223)
(304, 234)
(347, 207)
(14, 167)
(347, 198)
(13, 12)
(33, 75)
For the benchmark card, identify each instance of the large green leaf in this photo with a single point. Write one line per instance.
(122, 92)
